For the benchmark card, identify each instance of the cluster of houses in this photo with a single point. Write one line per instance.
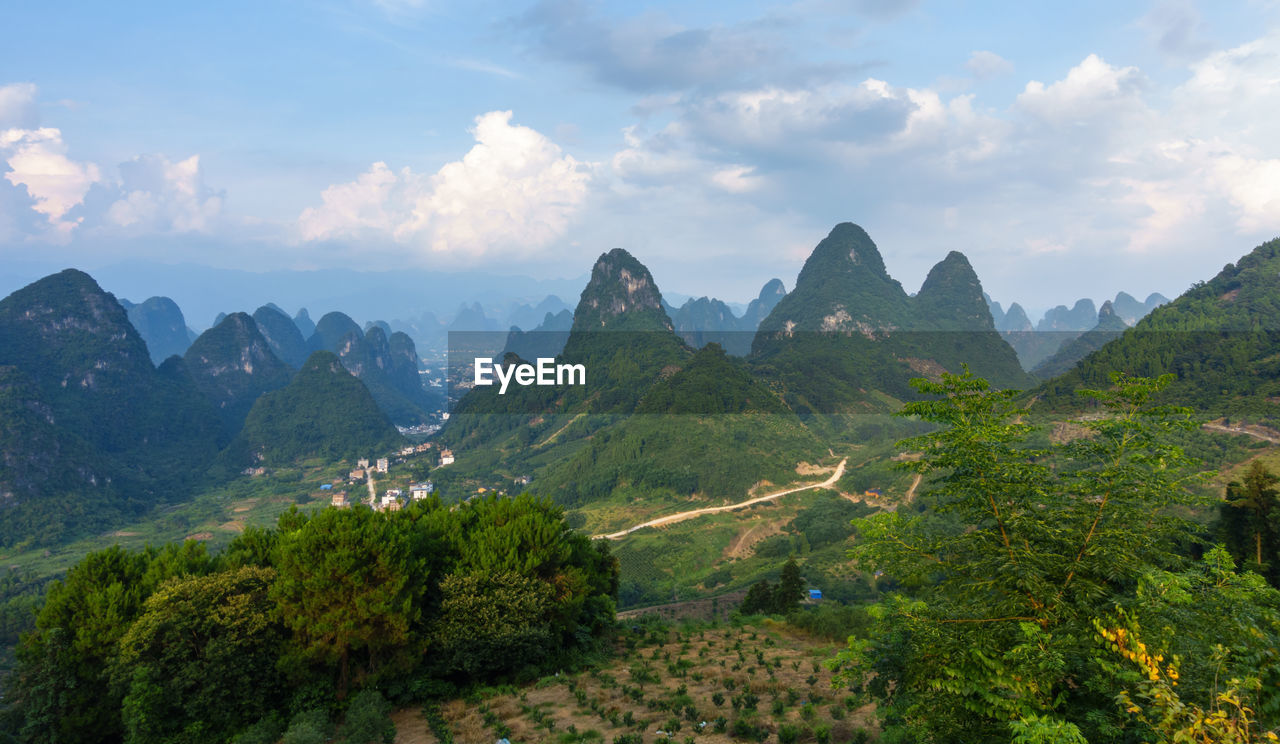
(392, 499)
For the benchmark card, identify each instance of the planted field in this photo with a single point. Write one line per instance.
(711, 685)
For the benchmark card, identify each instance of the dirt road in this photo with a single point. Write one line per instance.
(680, 517)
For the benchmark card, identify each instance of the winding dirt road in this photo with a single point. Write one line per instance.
(681, 516)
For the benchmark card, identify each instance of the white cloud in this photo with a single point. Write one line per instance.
(157, 195)
(983, 64)
(151, 195)
(1091, 89)
(37, 160)
(737, 179)
(363, 205)
(515, 191)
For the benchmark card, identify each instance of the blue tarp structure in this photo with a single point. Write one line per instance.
(326, 486)
(815, 594)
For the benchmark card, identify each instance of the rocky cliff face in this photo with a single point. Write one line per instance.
(621, 295)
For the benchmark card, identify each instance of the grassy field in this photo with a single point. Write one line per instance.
(710, 684)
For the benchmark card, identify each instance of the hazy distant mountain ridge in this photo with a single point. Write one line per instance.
(1109, 326)
(1060, 325)
(162, 326)
(387, 366)
(282, 335)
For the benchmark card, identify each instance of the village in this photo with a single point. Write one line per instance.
(393, 498)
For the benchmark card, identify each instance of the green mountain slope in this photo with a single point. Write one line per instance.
(848, 338)
(79, 365)
(655, 421)
(323, 412)
(232, 364)
(1221, 339)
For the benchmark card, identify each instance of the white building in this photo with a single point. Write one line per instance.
(382, 464)
(420, 491)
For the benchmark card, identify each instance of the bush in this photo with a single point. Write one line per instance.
(788, 734)
(308, 727)
(369, 719)
(266, 731)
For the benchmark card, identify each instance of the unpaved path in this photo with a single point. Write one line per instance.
(912, 491)
(1241, 430)
(681, 516)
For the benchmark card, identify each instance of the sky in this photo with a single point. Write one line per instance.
(1068, 149)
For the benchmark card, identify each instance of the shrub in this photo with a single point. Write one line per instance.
(308, 727)
(266, 731)
(368, 719)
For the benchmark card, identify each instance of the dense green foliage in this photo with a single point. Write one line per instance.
(711, 383)
(778, 599)
(1249, 522)
(323, 412)
(174, 646)
(1028, 558)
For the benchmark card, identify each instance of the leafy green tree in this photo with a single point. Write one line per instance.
(790, 588)
(493, 623)
(759, 599)
(1250, 517)
(528, 536)
(62, 683)
(1022, 550)
(347, 590)
(200, 662)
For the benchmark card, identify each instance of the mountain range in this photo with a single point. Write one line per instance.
(94, 431)
(1060, 325)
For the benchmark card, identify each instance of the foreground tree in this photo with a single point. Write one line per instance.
(200, 662)
(790, 589)
(347, 590)
(1022, 550)
(1250, 520)
(62, 682)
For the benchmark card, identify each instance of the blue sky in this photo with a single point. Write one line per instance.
(1069, 150)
